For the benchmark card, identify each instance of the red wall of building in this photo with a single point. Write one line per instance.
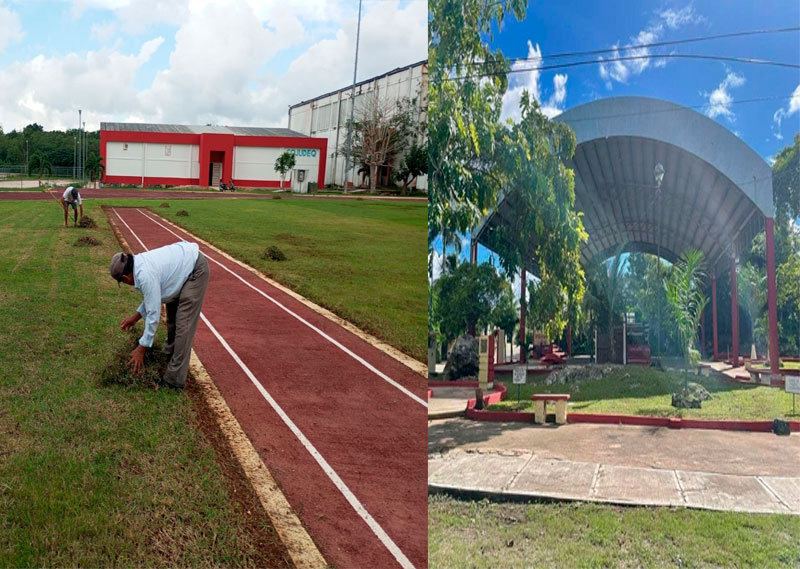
(210, 142)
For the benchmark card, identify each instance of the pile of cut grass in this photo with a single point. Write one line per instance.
(86, 241)
(87, 222)
(273, 253)
(182, 213)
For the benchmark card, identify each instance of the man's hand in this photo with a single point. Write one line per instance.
(137, 358)
(126, 324)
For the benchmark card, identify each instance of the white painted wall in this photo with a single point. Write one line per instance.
(258, 163)
(152, 160)
(327, 116)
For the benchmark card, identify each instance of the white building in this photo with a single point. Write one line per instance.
(326, 116)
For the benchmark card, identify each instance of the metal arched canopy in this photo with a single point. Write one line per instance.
(715, 194)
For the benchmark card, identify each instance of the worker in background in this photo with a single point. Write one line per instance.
(71, 199)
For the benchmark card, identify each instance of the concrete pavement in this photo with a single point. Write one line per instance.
(718, 470)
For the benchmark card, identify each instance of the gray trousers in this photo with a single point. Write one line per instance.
(183, 312)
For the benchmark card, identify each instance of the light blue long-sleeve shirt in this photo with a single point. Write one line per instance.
(159, 275)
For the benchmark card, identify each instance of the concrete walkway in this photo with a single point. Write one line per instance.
(449, 402)
(735, 471)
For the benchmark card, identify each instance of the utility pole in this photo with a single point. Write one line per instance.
(80, 147)
(352, 102)
(85, 146)
(74, 157)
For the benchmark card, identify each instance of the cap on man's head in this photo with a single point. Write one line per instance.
(74, 194)
(118, 264)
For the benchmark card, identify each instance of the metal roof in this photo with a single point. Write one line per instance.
(392, 72)
(715, 194)
(199, 129)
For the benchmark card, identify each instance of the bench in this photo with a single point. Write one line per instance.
(540, 410)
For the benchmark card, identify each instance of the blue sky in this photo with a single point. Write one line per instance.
(711, 87)
(235, 62)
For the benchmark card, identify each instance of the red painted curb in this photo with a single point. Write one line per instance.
(614, 419)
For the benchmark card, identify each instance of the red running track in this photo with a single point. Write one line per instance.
(340, 425)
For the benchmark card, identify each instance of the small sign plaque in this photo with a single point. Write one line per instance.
(792, 384)
(520, 374)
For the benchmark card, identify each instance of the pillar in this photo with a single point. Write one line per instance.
(714, 317)
(734, 312)
(772, 304)
(522, 306)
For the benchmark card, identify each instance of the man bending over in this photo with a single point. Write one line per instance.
(176, 275)
(71, 199)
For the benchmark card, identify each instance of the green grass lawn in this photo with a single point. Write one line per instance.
(364, 260)
(92, 474)
(486, 535)
(636, 390)
(784, 365)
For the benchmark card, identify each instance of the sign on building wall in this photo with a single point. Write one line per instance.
(311, 152)
(167, 150)
(124, 146)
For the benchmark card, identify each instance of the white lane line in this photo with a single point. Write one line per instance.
(346, 350)
(129, 229)
(337, 481)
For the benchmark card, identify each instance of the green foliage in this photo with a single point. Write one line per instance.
(604, 298)
(466, 297)
(788, 281)
(284, 163)
(57, 147)
(786, 181)
(645, 296)
(40, 166)
(464, 109)
(506, 312)
(94, 166)
(684, 288)
(413, 164)
(752, 289)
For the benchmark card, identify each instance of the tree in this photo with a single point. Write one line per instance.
(786, 180)
(467, 81)
(40, 166)
(506, 312)
(285, 162)
(466, 297)
(752, 288)
(645, 296)
(413, 164)
(94, 167)
(382, 129)
(684, 287)
(542, 232)
(605, 293)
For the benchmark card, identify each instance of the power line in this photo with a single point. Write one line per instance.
(649, 45)
(602, 61)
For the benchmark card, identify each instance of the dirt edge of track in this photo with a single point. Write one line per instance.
(249, 473)
(415, 365)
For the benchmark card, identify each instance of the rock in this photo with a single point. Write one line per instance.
(578, 374)
(781, 428)
(462, 361)
(690, 397)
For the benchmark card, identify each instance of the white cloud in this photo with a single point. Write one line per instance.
(529, 81)
(720, 100)
(781, 113)
(10, 27)
(226, 64)
(621, 71)
(677, 18)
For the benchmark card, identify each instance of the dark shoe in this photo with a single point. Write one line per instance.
(163, 383)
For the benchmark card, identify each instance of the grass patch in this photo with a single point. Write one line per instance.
(119, 372)
(182, 213)
(486, 535)
(94, 474)
(636, 390)
(165, 204)
(363, 260)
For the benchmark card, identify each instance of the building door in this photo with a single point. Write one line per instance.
(216, 173)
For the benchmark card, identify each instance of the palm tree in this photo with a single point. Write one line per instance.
(684, 287)
(94, 167)
(604, 292)
(41, 166)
